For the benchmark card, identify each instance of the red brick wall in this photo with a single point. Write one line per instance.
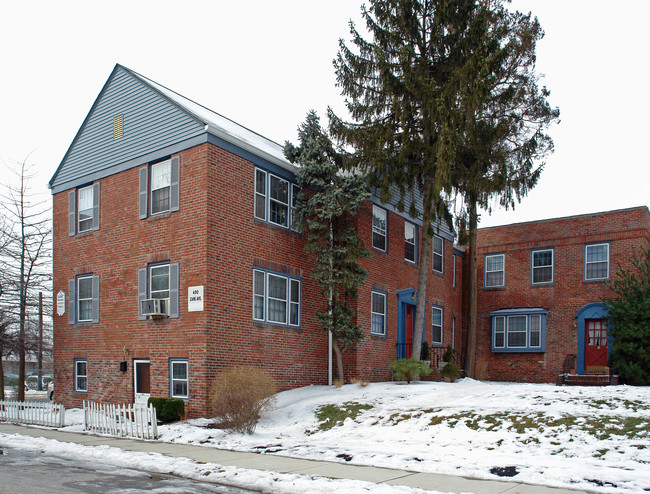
(625, 231)
(216, 240)
(389, 271)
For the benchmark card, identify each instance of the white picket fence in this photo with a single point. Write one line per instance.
(32, 412)
(121, 420)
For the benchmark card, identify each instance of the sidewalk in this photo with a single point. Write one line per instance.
(282, 464)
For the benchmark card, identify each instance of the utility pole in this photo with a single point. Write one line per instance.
(40, 341)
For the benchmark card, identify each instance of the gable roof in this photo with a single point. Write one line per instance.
(157, 122)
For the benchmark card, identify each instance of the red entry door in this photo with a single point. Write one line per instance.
(409, 331)
(596, 344)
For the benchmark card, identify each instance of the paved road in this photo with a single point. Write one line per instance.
(35, 473)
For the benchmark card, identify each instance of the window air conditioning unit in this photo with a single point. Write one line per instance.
(154, 307)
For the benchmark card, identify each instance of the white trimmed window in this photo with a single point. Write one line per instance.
(276, 298)
(597, 262)
(179, 378)
(159, 189)
(495, 270)
(278, 201)
(542, 266)
(260, 194)
(85, 209)
(159, 281)
(519, 330)
(81, 376)
(379, 228)
(438, 253)
(275, 199)
(378, 313)
(410, 252)
(295, 190)
(161, 181)
(436, 325)
(83, 299)
(83, 212)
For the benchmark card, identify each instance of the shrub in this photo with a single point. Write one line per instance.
(450, 371)
(168, 409)
(448, 355)
(239, 396)
(409, 369)
(426, 353)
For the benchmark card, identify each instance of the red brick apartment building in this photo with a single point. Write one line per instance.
(540, 290)
(174, 259)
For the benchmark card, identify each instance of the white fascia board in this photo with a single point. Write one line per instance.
(273, 158)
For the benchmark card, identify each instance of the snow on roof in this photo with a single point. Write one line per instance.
(224, 128)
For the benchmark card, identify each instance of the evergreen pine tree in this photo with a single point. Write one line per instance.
(629, 315)
(500, 115)
(326, 211)
(440, 103)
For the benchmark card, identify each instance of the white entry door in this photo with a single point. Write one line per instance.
(141, 381)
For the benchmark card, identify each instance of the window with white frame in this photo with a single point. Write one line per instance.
(436, 325)
(542, 266)
(378, 313)
(159, 190)
(159, 281)
(260, 194)
(179, 378)
(83, 209)
(275, 199)
(453, 282)
(597, 261)
(276, 298)
(519, 330)
(379, 228)
(81, 376)
(495, 270)
(295, 190)
(161, 181)
(278, 201)
(438, 252)
(83, 297)
(410, 242)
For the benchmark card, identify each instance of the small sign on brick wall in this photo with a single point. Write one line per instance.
(60, 303)
(195, 298)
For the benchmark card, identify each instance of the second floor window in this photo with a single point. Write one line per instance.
(161, 181)
(409, 242)
(275, 199)
(159, 188)
(542, 266)
(438, 251)
(495, 270)
(83, 209)
(597, 262)
(379, 228)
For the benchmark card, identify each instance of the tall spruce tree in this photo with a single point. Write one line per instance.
(326, 211)
(418, 95)
(500, 116)
(629, 315)
(396, 89)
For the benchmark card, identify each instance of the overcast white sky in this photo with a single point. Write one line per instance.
(265, 64)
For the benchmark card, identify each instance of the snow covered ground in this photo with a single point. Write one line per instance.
(575, 437)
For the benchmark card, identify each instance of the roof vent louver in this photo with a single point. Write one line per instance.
(118, 126)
